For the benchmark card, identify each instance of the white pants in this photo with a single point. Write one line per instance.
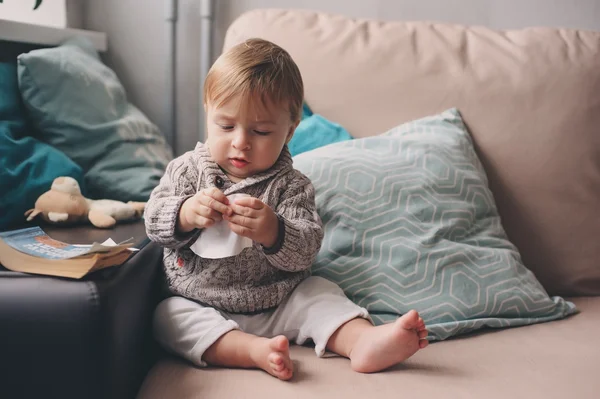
(314, 310)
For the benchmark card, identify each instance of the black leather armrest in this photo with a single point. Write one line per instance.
(88, 338)
(48, 337)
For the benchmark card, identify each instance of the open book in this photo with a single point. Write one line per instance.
(31, 250)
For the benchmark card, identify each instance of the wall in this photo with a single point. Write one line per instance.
(75, 10)
(137, 33)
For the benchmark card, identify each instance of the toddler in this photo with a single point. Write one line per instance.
(242, 310)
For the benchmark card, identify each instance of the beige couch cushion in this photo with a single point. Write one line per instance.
(531, 98)
(552, 360)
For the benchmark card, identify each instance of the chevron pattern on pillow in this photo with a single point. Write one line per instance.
(410, 223)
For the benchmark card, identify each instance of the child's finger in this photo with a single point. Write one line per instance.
(215, 199)
(210, 213)
(244, 211)
(241, 220)
(250, 202)
(240, 230)
(202, 222)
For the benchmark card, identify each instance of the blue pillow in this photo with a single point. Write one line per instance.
(410, 223)
(27, 166)
(314, 131)
(79, 106)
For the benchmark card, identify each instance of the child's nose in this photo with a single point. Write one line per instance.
(241, 140)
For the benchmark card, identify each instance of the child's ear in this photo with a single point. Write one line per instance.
(293, 127)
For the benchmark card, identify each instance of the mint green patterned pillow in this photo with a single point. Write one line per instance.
(410, 223)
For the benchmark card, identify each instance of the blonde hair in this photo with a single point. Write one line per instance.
(256, 67)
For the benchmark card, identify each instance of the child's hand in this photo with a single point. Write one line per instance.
(203, 210)
(254, 219)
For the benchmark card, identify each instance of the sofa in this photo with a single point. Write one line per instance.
(89, 337)
(531, 100)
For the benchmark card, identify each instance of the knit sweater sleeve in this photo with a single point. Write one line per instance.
(303, 231)
(162, 209)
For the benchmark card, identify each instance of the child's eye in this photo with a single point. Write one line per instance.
(261, 133)
(226, 127)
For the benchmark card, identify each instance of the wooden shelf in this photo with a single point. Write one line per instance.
(14, 31)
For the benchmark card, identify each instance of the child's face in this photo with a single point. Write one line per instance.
(246, 139)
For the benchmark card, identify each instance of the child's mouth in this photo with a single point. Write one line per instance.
(238, 163)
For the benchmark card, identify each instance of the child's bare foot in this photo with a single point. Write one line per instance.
(383, 346)
(273, 356)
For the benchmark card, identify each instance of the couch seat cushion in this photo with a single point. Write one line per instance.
(552, 360)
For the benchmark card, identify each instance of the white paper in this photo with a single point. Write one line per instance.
(218, 241)
(111, 243)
